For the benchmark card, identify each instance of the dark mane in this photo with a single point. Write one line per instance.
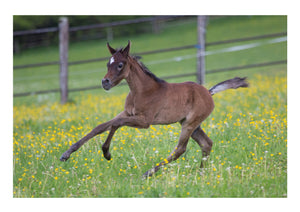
(146, 70)
(143, 67)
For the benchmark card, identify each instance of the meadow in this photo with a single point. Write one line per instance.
(248, 127)
(249, 156)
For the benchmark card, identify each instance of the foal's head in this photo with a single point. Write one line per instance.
(118, 67)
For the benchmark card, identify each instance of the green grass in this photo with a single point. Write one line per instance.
(249, 156)
(248, 126)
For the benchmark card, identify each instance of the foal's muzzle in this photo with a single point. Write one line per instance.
(106, 84)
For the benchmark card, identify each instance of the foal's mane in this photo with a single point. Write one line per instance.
(146, 70)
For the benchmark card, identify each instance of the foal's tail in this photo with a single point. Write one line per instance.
(232, 83)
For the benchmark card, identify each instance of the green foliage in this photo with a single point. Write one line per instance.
(28, 22)
(24, 42)
(33, 22)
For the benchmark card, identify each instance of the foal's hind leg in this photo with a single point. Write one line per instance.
(204, 142)
(186, 132)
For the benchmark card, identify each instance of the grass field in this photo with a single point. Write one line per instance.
(249, 156)
(248, 126)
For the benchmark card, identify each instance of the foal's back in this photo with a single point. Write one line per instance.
(184, 101)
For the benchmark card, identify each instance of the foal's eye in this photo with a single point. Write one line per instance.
(120, 66)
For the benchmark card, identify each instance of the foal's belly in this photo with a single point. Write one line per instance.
(165, 118)
(171, 114)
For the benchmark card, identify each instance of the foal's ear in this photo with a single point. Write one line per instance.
(111, 50)
(127, 48)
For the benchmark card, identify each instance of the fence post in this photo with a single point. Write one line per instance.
(63, 57)
(201, 28)
(109, 34)
(156, 26)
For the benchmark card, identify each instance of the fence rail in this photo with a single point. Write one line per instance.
(257, 65)
(155, 51)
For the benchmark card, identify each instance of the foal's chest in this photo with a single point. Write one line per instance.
(137, 105)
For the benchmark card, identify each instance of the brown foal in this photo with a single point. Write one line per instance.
(153, 101)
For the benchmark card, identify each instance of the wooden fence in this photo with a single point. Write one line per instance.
(200, 73)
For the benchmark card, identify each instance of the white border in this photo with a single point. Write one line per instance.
(154, 7)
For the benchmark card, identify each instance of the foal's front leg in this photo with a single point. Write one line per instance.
(105, 146)
(131, 121)
(96, 131)
(120, 120)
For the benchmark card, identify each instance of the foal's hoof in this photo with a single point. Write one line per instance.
(64, 157)
(107, 156)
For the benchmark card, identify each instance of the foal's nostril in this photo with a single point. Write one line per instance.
(106, 84)
(105, 81)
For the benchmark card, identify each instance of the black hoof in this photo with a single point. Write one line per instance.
(107, 156)
(63, 158)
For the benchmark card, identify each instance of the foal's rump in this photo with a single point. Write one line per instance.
(182, 101)
(191, 101)
(201, 102)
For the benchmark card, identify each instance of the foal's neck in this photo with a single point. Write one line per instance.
(139, 82)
